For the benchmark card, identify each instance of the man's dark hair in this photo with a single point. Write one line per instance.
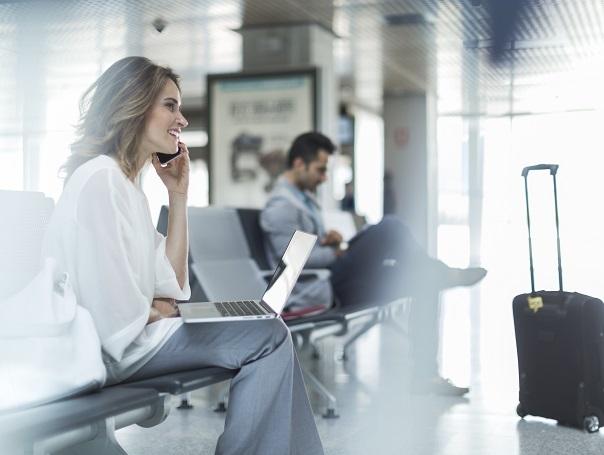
(307, 146)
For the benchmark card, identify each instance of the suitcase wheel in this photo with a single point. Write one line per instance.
(520, 411)
(591, 424)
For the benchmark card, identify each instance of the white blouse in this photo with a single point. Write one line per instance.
(102, 235)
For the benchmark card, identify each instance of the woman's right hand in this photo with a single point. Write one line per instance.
(175, 175)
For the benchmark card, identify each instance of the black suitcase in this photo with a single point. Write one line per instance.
(560, 345)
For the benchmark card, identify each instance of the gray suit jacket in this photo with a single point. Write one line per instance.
(284, 213)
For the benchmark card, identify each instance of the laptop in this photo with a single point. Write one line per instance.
(274, 298)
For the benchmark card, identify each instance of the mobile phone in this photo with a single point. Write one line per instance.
(165, 158)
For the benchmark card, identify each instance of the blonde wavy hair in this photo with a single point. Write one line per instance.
(113, 112)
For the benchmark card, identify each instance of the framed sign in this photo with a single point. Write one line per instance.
(252, 120)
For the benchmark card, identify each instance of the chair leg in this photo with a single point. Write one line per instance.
(365, 328)
(104, 443)
(221, 406)
(315, 354)
(342, 331)
(303, 343)
(185, 402)
(314, 383)
(306, 342)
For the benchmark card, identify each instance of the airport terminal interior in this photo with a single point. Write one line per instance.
(435, 107)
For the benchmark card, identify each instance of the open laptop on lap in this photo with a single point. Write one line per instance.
(274, 298)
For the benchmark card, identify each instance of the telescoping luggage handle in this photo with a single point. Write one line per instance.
(553, 170)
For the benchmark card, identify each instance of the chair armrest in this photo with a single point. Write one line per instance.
(184, 381)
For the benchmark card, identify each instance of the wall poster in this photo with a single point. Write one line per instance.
(252, 120)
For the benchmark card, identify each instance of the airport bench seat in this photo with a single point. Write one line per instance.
(65, 423)
(85, 424)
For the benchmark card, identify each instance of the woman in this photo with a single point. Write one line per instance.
(128, 276)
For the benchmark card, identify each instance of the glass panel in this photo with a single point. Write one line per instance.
(11, 169)
(369, 165)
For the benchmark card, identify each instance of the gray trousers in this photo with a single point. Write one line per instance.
(269, 412)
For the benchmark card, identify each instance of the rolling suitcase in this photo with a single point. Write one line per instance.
(560, 345)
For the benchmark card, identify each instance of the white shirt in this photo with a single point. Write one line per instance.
(102, 235)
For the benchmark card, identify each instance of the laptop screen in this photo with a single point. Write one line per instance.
(287, 271)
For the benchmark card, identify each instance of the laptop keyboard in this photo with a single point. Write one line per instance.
(240, 308)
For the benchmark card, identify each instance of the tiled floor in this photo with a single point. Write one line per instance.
(379, 417)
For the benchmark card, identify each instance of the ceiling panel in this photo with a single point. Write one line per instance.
(383, 46)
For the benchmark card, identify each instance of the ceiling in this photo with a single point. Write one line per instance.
(554, 62)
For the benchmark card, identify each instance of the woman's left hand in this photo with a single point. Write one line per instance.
(166, 307)
(175, 174)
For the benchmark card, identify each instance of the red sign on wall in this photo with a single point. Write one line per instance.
(401, 136)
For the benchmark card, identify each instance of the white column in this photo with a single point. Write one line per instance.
(410, 156)
(282, 47)
(31, 86)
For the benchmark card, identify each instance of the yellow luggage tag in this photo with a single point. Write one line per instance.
(535, 303)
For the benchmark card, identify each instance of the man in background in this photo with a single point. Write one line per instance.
(382, 263)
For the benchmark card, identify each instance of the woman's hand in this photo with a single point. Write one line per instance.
(162, 308)
(166, 307)
(176, 173)
(154, 316)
